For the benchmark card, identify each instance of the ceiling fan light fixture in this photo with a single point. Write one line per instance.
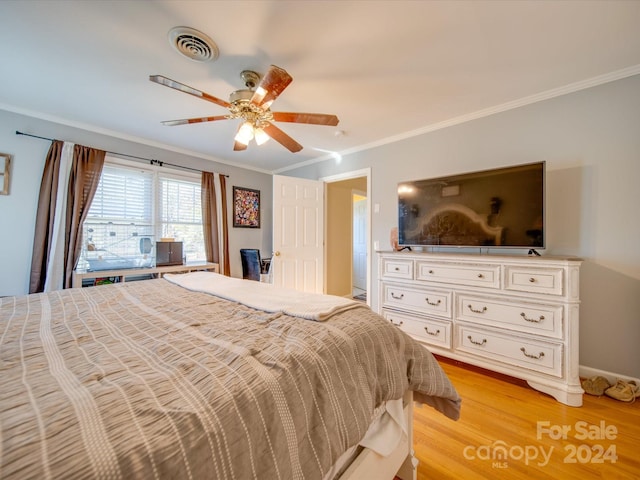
(245, 134)
(260, 136)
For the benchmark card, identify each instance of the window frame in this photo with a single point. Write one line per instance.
(178, 177)
(157, 174)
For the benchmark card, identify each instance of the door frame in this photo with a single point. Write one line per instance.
(365, 172)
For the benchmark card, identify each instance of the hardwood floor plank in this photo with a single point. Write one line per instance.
(540, 437)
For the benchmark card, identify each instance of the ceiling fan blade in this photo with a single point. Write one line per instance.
(186, 121)
(271, 86)
(313, 118)
(282, 138)
(237, 146)
(167, 82)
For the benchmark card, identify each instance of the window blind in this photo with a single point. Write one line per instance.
(123, 195)
(181, 215)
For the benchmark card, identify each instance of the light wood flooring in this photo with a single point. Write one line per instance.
(500, 414)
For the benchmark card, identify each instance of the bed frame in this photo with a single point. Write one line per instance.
(400, 463)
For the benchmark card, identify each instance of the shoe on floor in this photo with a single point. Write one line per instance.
(623, 391)
(595, 385)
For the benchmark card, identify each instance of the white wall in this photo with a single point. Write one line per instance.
(18, 210)
(591, 142)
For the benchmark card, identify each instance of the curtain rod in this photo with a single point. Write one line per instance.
(150, 160)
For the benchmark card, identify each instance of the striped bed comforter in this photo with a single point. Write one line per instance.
(151, 380)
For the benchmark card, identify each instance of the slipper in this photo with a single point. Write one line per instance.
(624, 391)
(595, 385)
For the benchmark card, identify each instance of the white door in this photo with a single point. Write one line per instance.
(360, 242)
(298, 234)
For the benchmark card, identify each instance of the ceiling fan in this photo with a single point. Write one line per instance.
(252, 106)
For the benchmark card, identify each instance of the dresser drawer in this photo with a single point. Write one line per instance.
(534, 280)
(427, 301)
(538, 319)
(397, 268)
(471, 274)
(427, 330)
(545, 357)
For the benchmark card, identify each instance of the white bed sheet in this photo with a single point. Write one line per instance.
(383, 436)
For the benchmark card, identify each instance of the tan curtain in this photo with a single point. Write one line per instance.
(44, 217)
(83, 183)
(214, 221)
(85, 173)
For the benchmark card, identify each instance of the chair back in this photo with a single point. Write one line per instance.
(251, 265)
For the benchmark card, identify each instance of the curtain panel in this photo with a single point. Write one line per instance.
(84, 178)
(60, 214)
(214, 220)
(44, 217)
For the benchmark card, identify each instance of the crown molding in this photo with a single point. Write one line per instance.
(338, 156)
(531, 99)
(123, 136)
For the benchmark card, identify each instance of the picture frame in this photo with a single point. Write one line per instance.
(246, 207)
(5, 171)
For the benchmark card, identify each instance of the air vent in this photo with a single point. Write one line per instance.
(193, 44)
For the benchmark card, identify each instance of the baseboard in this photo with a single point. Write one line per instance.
(584, 372)
(588, 372)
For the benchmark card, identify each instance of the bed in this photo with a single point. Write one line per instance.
(179, 377)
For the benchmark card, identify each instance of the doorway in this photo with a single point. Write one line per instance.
(347, 234)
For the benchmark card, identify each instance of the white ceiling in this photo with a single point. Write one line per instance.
(387, 69)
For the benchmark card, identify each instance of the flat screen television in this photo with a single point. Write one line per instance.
(499, 208)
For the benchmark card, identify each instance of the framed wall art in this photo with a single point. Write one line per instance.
(246, 207)
(5, 170)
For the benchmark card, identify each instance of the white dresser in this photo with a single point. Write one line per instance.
(517, 315)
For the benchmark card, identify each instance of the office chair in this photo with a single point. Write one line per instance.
(251, 264)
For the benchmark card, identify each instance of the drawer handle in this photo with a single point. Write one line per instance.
(433, 304)
(431, 272)
(532, 280)
(480, 275)
(435, 334)
(396, 324)
(484, 309)
(533, 320)
(484, 340)
(397, 269)
(397, 297)
(529, 355)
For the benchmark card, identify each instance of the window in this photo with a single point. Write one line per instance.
(181, 215)
(133, 208)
